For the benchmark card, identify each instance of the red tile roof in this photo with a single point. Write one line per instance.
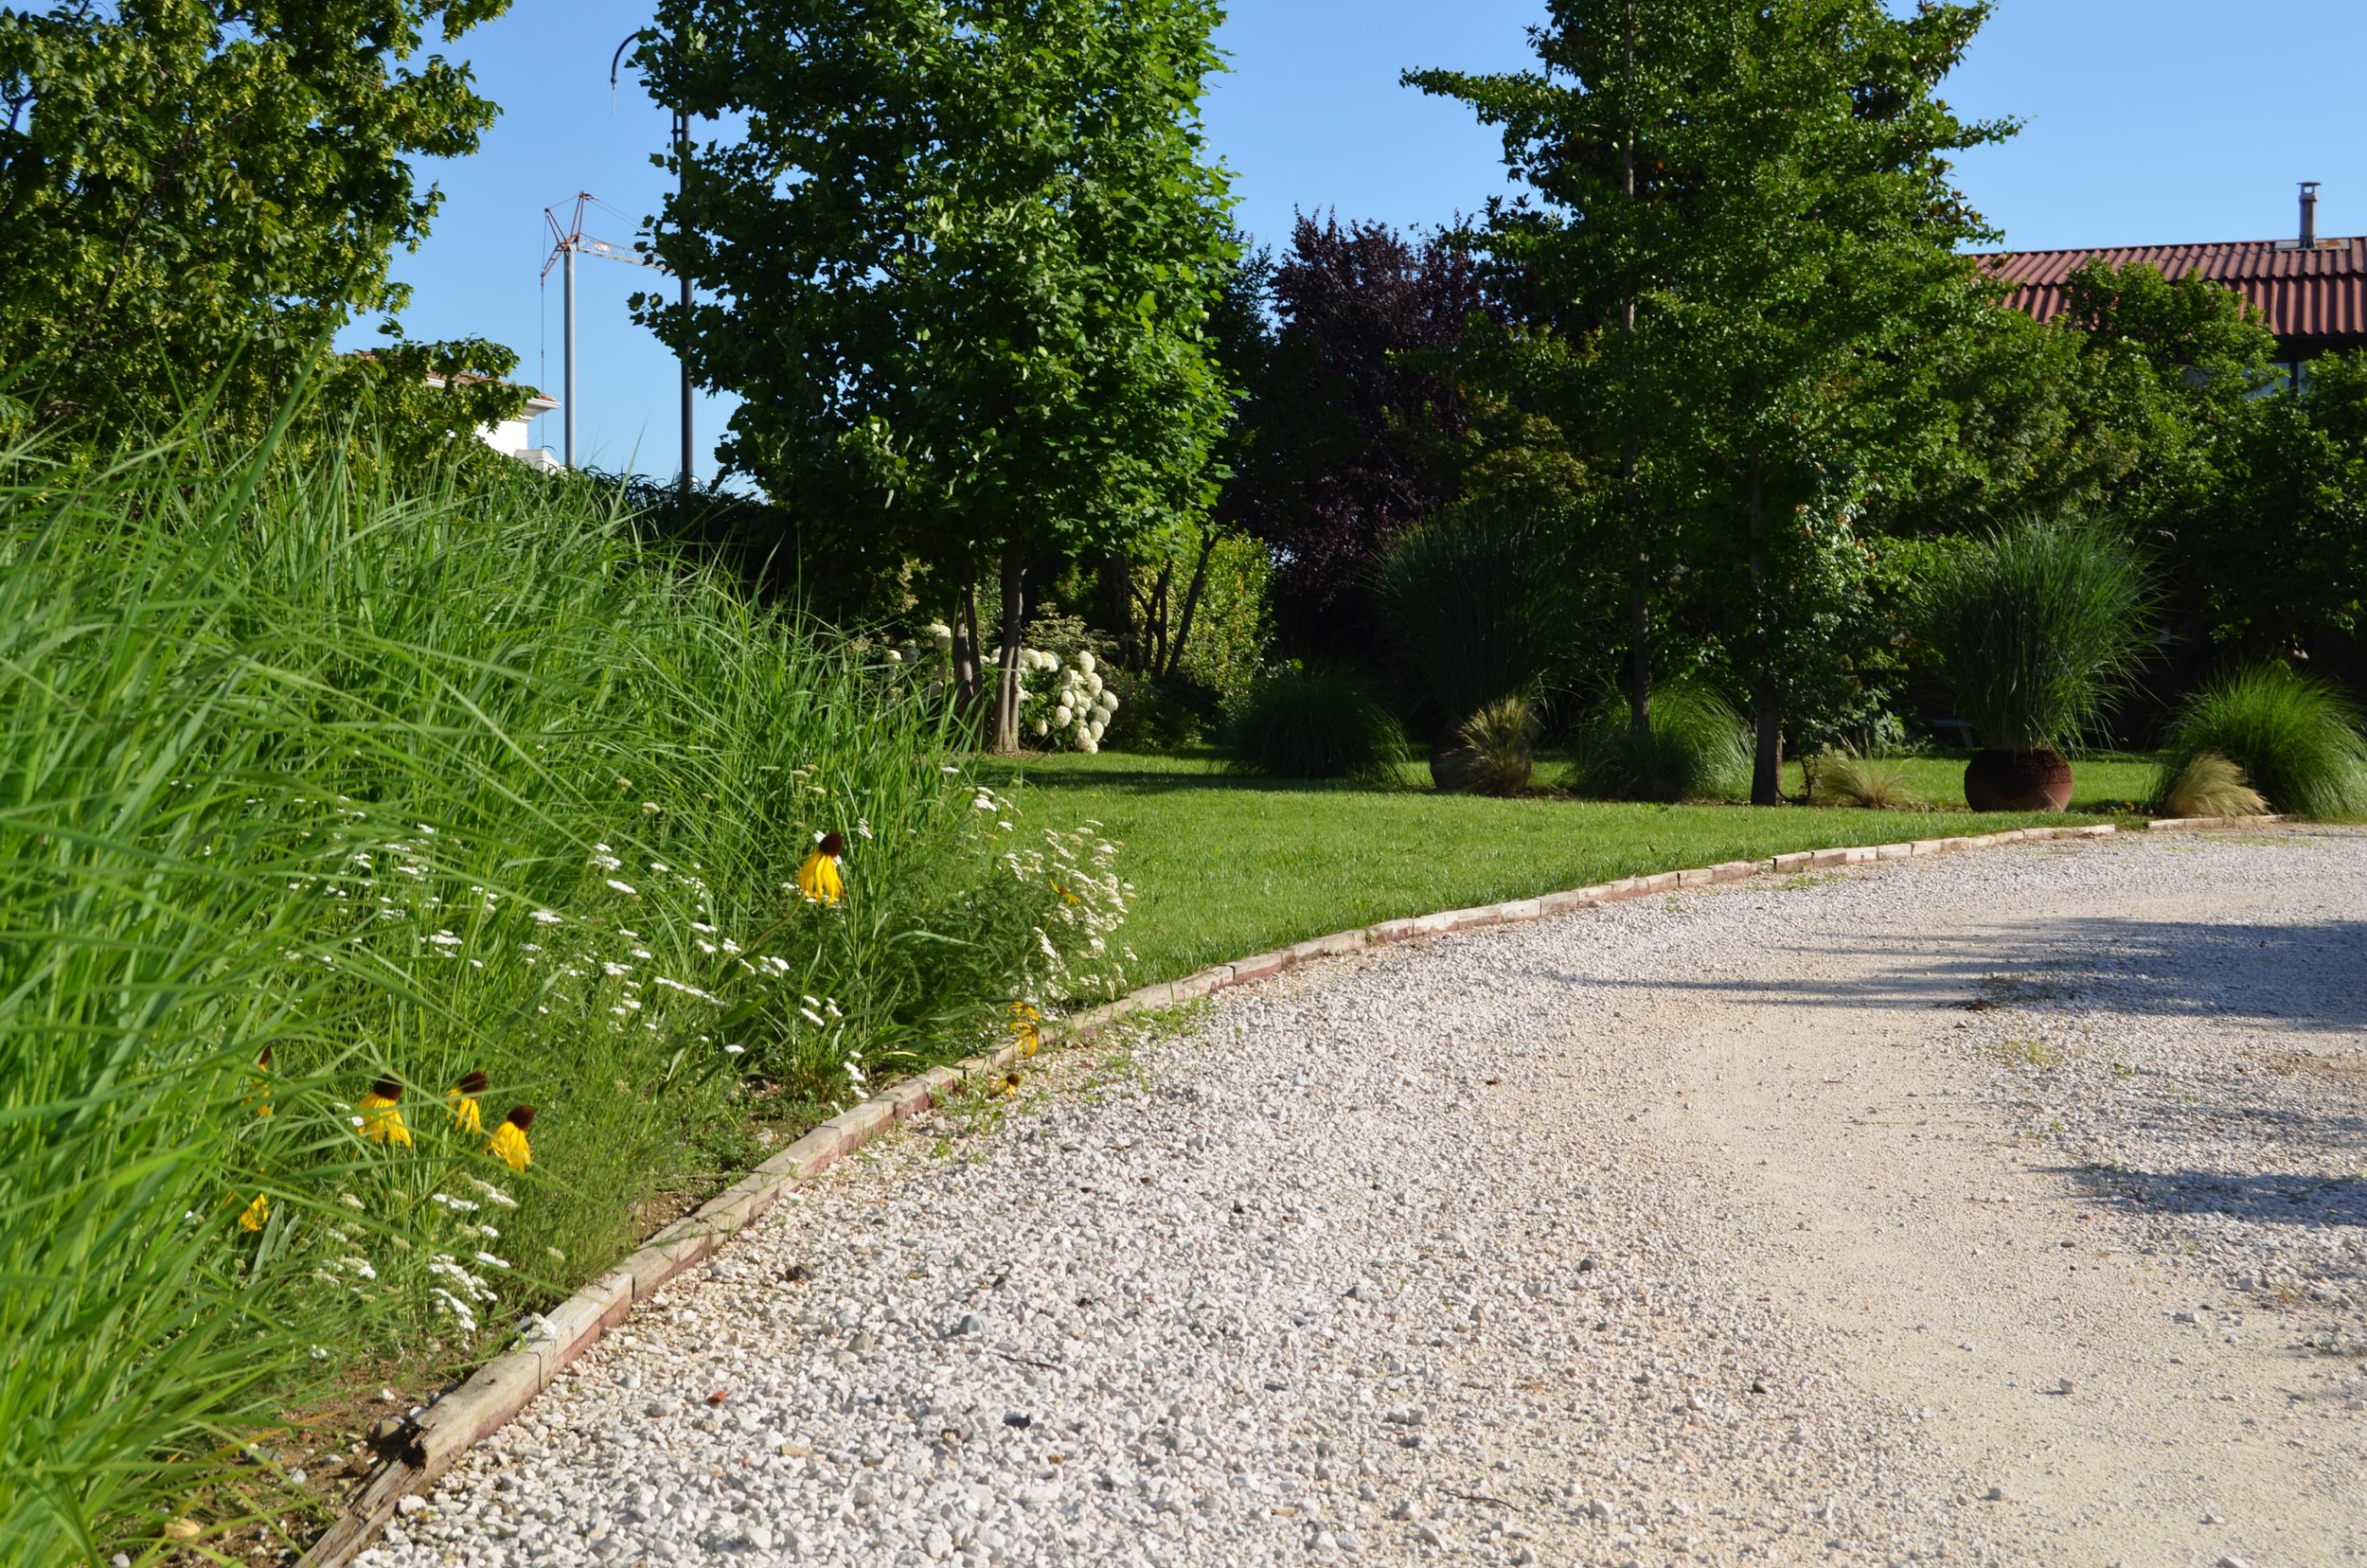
(2311, 298)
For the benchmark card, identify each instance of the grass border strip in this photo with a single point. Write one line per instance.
(503, 1386)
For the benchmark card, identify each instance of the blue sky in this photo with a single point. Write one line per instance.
(2148, 120)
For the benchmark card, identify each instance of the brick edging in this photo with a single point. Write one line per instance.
(503, 1386)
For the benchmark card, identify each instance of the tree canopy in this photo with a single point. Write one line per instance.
(195, 194)
(1745, 224)
(958, 265)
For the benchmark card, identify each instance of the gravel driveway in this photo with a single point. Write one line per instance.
(2005, 1208)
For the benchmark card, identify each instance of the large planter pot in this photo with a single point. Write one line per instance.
(1442, 761)
(2018, 781)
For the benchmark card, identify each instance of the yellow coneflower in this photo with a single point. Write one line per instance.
(819, 878)
(263, 1083)
(508, 1143)
(382, 1119)
(256, 1213)
(460, 1101)
(1027, 1027)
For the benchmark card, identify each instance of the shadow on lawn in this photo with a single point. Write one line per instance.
(2302, 977)
(1164, 781)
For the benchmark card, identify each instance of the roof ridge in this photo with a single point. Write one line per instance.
(2328, 243)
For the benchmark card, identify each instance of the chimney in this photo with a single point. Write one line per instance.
(2309, 214)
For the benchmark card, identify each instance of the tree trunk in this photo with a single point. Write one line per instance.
(1191, 604)
(1639, 659)
(966, 659)
(1766, 714)
(1006, 685)
(1156, 652)
(1639, 600)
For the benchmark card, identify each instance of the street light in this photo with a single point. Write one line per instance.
(682, 159)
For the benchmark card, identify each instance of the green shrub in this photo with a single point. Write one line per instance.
(1225, 646)
(1494, 751)
(1159, 715)
(1479, 606)
(2036, 627)
(2297, 740)
(1698, 749)
(1301, 723)
(417, 785)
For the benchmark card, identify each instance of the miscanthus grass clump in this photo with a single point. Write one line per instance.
(397, 885)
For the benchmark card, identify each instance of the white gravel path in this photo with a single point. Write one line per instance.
(1712, 1230)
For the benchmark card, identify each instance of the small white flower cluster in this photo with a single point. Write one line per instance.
(1074, 710)
(913, 654)
(462, 1291)
(1080, 869)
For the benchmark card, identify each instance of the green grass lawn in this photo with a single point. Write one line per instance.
(1224, 866)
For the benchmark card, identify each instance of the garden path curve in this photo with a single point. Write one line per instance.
(1999, 1208)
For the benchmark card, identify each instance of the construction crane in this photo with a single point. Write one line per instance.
(566, 243)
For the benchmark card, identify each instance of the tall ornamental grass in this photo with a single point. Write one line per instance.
(308, 783)
(1696, 748)
(2297, 741)
(2038, 628)
(1316, 724)
(1480, 606)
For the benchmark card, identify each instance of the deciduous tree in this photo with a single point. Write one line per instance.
(1747, 207)
(1341, 449)
(957, 262)
(195, 194)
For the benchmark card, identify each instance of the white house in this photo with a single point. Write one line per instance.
(510, 437)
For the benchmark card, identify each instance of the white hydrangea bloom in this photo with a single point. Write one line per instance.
(1063, 714)
(1094, 730)
(1085, 663)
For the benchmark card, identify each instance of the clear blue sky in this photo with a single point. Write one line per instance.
(2150, 120)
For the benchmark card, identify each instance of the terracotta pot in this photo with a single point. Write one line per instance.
(2018, 781)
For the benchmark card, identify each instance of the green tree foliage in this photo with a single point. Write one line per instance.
(2130, 400)
(2272, 555)
(1352, 412)
(195, 194)
(1586, 133)
(958, 265)
(1747, 232)
(2158, 401)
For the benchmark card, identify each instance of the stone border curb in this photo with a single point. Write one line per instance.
(503, 1386)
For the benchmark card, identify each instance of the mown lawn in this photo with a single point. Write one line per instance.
(1224, 866)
